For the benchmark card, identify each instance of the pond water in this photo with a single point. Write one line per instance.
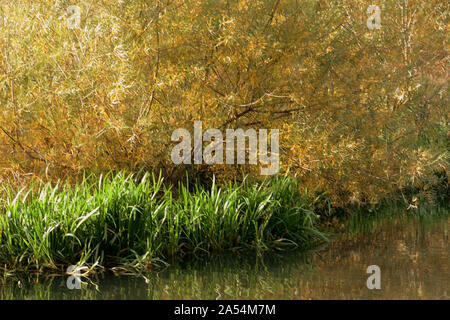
(412, 254)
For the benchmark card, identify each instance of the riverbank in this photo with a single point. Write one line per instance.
(411, 250)
(135, 225)
(124, 223)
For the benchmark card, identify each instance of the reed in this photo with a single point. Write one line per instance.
(120, 221)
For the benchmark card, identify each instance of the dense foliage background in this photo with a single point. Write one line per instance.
(361, 112)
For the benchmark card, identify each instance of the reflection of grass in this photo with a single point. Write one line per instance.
(118, 221)
(231, 275)
(364, 221)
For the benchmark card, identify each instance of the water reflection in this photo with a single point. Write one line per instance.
(411, 253)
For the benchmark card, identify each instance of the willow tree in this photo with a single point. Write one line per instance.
(361, 111)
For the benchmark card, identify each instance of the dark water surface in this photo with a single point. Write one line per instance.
(412, 254)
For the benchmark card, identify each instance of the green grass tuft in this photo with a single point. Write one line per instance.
(117, 221)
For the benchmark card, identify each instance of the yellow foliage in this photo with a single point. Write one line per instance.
(108, 95)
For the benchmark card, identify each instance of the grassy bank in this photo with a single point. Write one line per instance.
(364, 221)
(119, 221)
